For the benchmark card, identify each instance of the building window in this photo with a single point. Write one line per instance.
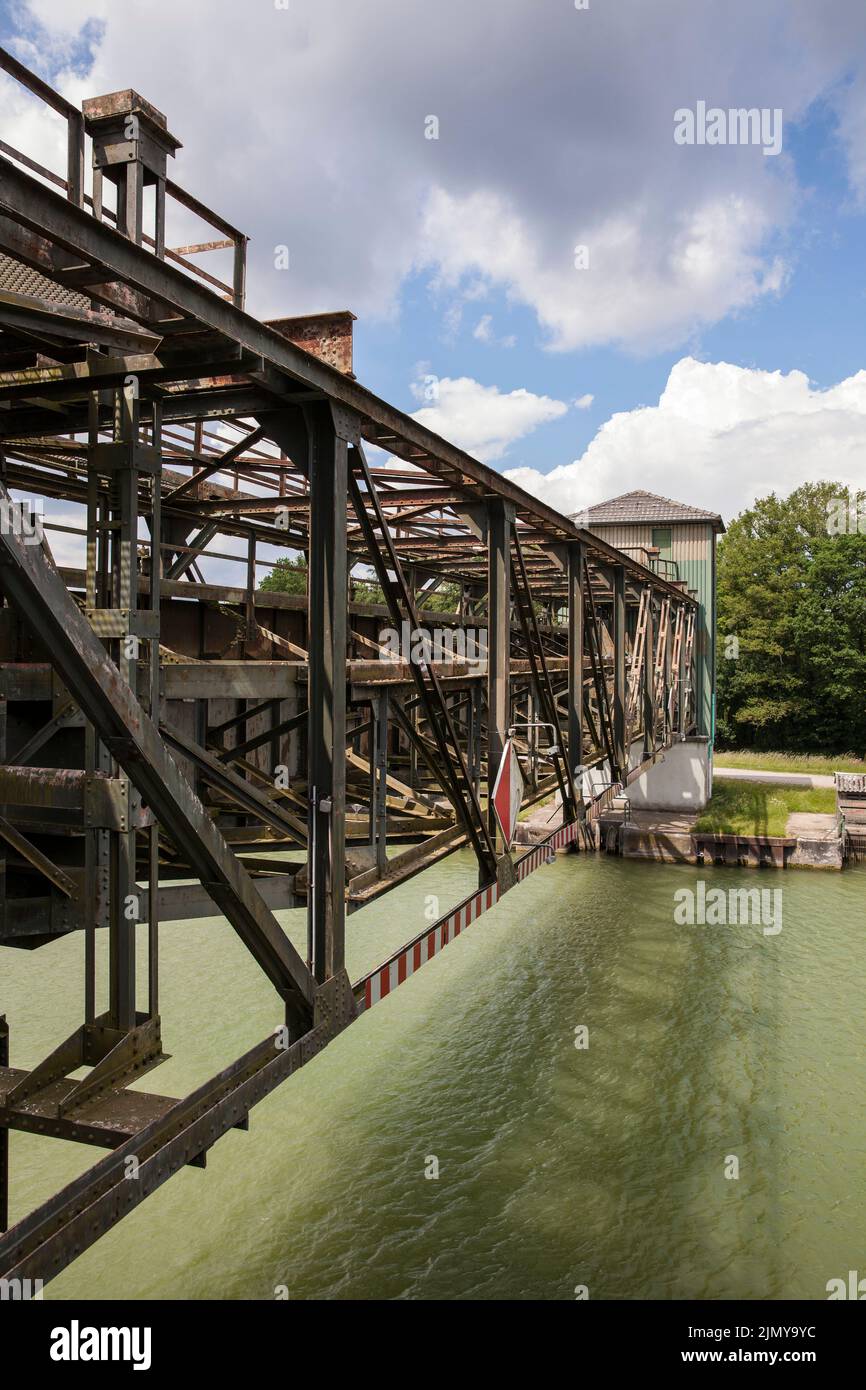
(662, 541)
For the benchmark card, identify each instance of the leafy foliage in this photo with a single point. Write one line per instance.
(289, 576)
(795, 598)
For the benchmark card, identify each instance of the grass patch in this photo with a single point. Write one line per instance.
(748, 808)
(791, 762)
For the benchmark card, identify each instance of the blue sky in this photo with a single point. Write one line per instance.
(815, 325)
(729, 281)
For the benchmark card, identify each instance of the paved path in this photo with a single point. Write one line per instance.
(784, 779)
(811, 825)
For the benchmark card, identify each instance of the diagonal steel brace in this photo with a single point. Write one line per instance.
(31, 582)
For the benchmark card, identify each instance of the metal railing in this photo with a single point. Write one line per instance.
(665, 569)
(73, 185)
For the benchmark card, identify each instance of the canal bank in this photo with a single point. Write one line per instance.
(814, 842)
(558, 1166)
(680, 811)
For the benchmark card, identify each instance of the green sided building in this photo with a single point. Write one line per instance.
(679, 543)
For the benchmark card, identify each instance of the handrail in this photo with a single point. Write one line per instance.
(73, 185)
(668, 569)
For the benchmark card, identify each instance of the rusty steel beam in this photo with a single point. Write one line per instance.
(54, 1235)
(329, 436)
(31, 583)
(391, 577)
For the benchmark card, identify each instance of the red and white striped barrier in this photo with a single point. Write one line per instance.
(541, 853)
(385, 978)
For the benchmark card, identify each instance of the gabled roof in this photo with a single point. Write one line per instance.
(640, 507)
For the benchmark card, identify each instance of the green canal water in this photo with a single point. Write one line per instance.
(558, 1166)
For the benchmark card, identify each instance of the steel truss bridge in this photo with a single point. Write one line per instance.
(157, 729)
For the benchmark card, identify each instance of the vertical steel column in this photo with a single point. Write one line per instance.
(575, 654)
(152, 835)
(414, 717)
(619, 672)
(500, 516)
(380, 782)
(374, 755)
(533, 714)
(475, 698)
(647, 694)
(668, 667)
(239, 274)
(159, 228)
(326, 761)
(250, 600)
(124, 650)
(4, 1134)
(681, 678)
(95, 755)
(75, 158)
(130, 197)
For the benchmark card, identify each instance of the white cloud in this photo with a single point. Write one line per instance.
(584, 402)
(705, 264)
(482, 419)
(719, 437)
(556, 129)
(483, 333)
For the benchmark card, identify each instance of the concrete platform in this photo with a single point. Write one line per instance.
(812, 842)
(819, 844)
(664, 822)
(811, 825)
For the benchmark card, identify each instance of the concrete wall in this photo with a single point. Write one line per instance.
(681, 781)
(817, 854)
(596, 780)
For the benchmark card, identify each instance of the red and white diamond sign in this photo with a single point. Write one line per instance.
(508, 793)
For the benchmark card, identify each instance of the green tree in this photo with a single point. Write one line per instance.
(830, 633)
(793, 598)
(445, 599)
(289, 576)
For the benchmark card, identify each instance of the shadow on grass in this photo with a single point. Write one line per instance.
(741, 810)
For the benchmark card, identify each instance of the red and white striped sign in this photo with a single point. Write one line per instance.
(508, 793)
